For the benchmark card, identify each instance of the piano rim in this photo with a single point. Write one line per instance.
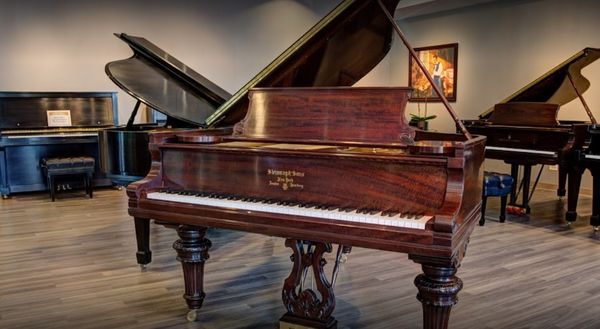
(424, 242)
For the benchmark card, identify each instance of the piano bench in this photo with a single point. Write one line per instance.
(83, 166)
(496, 184)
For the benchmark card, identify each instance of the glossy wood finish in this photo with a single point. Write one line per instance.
(305, 306)
(327, 115)
(530, 122)
(338, 51)
(26, 138)
(525, 114)
(446, 185)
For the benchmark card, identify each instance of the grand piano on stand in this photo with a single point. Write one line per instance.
(27, 134)
(284, 171)
(523, 129)
(338, 51)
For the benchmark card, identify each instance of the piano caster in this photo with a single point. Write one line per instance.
(596, 228)
(4, 196)
(569, 224)
(143, 267)
(192, 315)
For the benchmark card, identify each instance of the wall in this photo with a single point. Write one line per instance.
(503, 46)
(63, 45)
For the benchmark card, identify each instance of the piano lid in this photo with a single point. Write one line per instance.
(338, 51)
(554, 86)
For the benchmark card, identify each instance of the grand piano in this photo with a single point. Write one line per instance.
(321, 166)
(27, 134)
(523, 129)
(338, 51)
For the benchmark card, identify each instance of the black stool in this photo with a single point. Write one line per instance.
(69, 166)
(495, 184)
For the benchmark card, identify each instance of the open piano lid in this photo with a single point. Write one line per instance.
(554, 86)
(338, 51)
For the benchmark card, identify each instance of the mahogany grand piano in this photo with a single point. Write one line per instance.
(277, 172)
(523, 129)
(338, 51)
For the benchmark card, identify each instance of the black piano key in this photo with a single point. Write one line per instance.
(419, 216)
(373, 211)
(392, 213)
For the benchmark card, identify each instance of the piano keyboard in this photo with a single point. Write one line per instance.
(55, 135)
(416, 221)
(592, 156)
(511, 149)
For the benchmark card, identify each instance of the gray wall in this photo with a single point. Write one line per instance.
(63, 45)
(503, 46)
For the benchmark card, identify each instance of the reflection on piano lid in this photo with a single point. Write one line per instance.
(523, 129)
(560, 85)
(338, 51)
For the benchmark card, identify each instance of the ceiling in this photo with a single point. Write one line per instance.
(412, 8)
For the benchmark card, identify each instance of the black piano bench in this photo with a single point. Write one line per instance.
(495, 184)
(83, 166)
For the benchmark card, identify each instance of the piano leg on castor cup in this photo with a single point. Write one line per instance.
(192, 251)
(142, 236)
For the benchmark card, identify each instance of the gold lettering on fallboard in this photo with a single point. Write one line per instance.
(285, 179)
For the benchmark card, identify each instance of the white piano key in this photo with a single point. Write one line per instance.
(398, 220)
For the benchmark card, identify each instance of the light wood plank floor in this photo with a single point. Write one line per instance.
(71, 264)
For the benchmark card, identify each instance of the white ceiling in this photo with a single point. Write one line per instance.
(412, 8)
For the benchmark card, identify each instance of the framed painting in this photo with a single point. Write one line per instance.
(441, 62)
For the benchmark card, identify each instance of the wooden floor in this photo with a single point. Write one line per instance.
(71, 264)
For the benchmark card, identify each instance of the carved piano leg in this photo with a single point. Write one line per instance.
(192, 251)
(438, 287)
(142, 236)
(304, 308)
(575, 173)
(562, 181)
(595, 218)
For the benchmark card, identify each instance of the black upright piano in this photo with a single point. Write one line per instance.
(338, 51)
(523, 129)
(35, 125)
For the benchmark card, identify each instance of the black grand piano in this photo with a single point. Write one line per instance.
(587, 156)
(523, 129)
(338, 51)
(28, 134)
